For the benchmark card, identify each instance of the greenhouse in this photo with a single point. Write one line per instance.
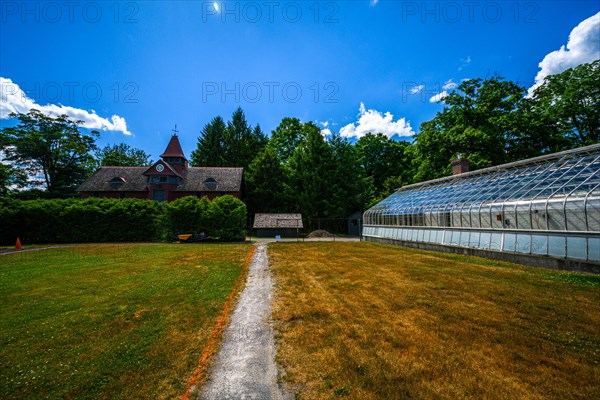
(546, 206)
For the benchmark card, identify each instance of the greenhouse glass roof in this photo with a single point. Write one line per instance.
(560, 177)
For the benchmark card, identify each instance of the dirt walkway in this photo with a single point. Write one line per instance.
(245, 365)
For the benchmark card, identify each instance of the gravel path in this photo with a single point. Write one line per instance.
(245, 365)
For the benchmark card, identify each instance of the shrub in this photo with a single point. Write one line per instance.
(226, 218)
(185, 215)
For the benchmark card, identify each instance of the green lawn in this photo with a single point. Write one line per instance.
(110, 321)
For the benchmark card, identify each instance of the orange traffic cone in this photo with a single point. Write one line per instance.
(18, 245)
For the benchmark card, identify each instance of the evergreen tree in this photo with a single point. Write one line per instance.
(351, 189)
(241, 142)
(266, 183)
(311, 174)
(210, 151)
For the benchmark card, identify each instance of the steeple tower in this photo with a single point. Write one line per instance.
(173, 154)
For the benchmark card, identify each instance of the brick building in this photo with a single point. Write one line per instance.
(168, 179)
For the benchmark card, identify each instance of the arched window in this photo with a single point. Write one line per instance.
(117, 182)
(211, 183)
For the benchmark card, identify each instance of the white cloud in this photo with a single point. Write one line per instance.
(15, 100)
(374, 3)
(373, 121)
(464, 63)
(449, 85)
(583, 47)
(416, 89)
(438, 97)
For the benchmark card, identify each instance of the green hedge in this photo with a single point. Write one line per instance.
(114, 220)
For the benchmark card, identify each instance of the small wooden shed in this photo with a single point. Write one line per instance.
(271, 225)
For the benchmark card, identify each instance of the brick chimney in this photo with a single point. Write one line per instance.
(460, 165)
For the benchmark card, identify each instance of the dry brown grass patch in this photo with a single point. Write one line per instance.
(365, 321)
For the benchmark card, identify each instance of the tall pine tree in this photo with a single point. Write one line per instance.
(311, 175)
(266, 183)
(210, 151)
(241, 142)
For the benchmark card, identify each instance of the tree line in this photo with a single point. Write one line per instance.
(489, 121)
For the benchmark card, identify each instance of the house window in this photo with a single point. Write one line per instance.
(211, 183)
(117, 182)
(163, 179)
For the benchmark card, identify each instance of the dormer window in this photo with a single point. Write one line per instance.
(117, 182)
(211, 183)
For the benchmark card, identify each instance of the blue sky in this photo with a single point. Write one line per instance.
(135, 69)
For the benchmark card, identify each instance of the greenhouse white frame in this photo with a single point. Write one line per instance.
(544, 206)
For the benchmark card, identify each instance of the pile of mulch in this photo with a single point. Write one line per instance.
(320, 233)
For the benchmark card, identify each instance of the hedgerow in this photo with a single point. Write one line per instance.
(114, 220)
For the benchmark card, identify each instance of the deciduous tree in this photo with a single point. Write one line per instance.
(571, 100)
(51, 147)
(123, 155)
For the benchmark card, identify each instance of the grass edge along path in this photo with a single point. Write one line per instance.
(199, 373)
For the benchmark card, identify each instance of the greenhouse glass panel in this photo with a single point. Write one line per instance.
(497, 217)
(594, 249)
(474, 239)
(575, 213)
(523, 243)
(496, 241)
(474, 216)
(556, 246)
(523, 215)
(592, 208)
(510, 242)
(539, 244)
(455, 238)
(464, 238)
(484, 241)
(485, 215)
(577, 247)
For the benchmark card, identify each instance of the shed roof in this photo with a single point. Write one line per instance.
(268, 220)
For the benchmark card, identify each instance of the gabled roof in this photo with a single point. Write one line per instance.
(169, 169)
(227, 180)
(173, 148)
(278, 221)
(134, 179)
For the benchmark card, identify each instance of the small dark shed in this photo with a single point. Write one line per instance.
(271, 225)
(355, 223)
